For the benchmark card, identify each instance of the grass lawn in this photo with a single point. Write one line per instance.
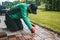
(48, 19)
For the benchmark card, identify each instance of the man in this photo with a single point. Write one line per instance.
(17, 12)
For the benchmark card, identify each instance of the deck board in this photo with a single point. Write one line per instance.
(40, 34)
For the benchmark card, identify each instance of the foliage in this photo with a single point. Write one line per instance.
(53, 5)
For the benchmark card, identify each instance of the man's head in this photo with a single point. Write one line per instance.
(32, 8)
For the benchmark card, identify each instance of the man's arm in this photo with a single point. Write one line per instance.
(25, 18)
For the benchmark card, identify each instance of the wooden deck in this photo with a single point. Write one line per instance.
(40, 34)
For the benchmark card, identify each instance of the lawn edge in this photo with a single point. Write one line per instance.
(46, 28)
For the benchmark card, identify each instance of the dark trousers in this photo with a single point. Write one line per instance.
(13, 24)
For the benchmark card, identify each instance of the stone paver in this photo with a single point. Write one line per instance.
(40, 34)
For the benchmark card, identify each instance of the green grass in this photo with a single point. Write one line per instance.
(48, 19)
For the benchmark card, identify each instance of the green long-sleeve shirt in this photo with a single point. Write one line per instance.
(23, 13)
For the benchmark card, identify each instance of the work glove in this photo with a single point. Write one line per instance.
(33, 30)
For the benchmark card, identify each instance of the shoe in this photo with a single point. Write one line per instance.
(33, 30)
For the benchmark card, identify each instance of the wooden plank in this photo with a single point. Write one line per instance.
(0, 20)
(3, 34)
(4, 38)
(31, 36)
(26, 36)
(20, 37)
(13, 37)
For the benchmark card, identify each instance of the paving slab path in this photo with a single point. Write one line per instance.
(40, 34)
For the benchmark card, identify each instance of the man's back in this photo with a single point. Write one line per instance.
(23, 8)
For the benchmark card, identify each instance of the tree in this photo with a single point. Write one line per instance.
(53, 5)
(38, 2)
(48, 5)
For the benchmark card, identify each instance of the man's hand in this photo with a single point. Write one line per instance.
(33, 30)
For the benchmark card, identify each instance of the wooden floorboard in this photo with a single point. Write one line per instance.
(40, 34)
(26, 35)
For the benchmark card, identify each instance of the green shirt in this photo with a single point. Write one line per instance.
(23, 13)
